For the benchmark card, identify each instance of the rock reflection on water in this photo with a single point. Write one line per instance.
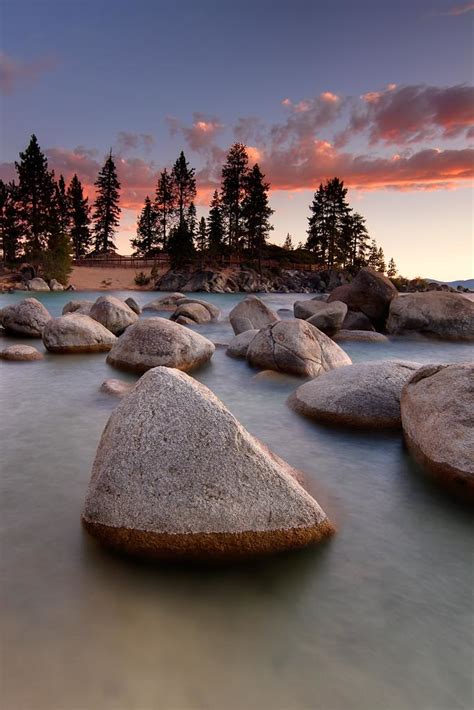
(377, 617)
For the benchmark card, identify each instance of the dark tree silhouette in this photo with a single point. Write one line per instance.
(318, 232)
(215, 227)
(353, 246)
(234, 173)
(181, 246)
(392, 269)
(165, 206)
(201, 239)
(62, 205)
(185, 188)
(146, 241)
(10, 226)
(256, 211)
(288, 243)
(79, 212)
(106, 207)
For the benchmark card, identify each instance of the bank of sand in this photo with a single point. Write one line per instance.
(88, 278)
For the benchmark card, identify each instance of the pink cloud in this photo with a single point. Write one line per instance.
(458, 10)
(200, 136)
(15, 74)
(127, 141)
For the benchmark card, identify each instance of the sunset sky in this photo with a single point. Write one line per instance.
(379, 94)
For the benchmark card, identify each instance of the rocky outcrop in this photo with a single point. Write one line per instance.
(166, 303)
(238, 346)
(370, 292)
(38, 284)
(26, 318)
(117, 388)
(113, 313)
(295, 347)
(251, 314)
(158, 341)
(361, 336)
(439, 314)
(203, 488)
(131, 303)
(21, 353)
(366, 394)
(195, 311)
(356, 320)
(76, 333)
(328, 317)
(83, 307)
(437, 415)
(55, 285)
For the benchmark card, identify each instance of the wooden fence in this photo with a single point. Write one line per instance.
(163, 261)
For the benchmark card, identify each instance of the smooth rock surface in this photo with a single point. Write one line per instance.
(251, 314)
(27, 318)
(165, 303)
(21, 353)
(54, 285)
(83, 307)
(356, 320)
(214, 311)
(296, 347)
(77, 333)
(363, 336)
(131, 303)
(370, 292)
(159, 341)
(239, 344)
(366, 394)
(437, 408)
(38, 284)
(113, 313)
(193, 312)
(176, 475)
(435, 313)
(328, 317)
(117, 388)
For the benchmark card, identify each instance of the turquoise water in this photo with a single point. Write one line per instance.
(378, 618)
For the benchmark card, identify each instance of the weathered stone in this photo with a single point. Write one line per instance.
(328, 317)
(239, 344)
(251, 314)
(214, 311)
(370, 292)
(55, 285)
(437, 415)
(38, 284)
(435, 313)
(83, 307)
(194, 312)
(131, 303)
(27, 318)
(176, 475)
(117, 388)
(113, 313)
(21, 353)
(296, 347)
(362, 336)
(356, 320)
(76, 333)
(158, 341)
(366, 394)
(166, 303)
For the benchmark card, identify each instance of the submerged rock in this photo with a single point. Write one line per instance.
(436, 313)
(117, 388)
(362, 336)
(158, 341)
(296, 347)
(366, 394)
(76, 333)
(83, 307)
(437, 415)
(27, 318)
(251, 314)
(113, 313)
(21, 353)
(239, 344)
(205, 488)
(166, 303)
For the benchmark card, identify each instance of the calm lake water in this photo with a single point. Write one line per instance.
(378, 618)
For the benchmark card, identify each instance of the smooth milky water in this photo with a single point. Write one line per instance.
(378, 618)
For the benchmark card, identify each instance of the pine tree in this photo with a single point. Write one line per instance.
(180, 246)
(106, 207)
(337, 209)
(392, 269)
(373, 255)
(10, 225)
(79, 212)
(234, 174)
(165, 205)
(215, 227)
(146, 241)
(184, 181)
(191, 220)
(256, 211)
(288, 243)
(354, 240)
(56, 260)
(318, 231)
(35, 196)
(201, 240)
(381, 261)
(62, 205)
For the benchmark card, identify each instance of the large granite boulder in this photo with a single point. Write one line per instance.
(356, 320)
(158, 341)
(21, 353)
(195, 311)
(437, 416)
(131, 303)
(239, 344)
(76, 333)
(251, 314)
(26, 318)
(165, 303)
(176, 475)
(328, 317)
(366, 394)
(435, 313)
(83, 307)
(113, 313)
(370, 292)
(295, 347)
(38, 284)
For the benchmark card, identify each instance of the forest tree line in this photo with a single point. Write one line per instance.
(47, 222)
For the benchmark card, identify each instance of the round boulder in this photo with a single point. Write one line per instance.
(76, 333)
(203, 489)
(356, 320)
(370, 292)
(239, 344)
(21, 353)
(251, 314)
(366, 394)
(159, 341)
(83, 307)
(296, 347)
(113, 313)
(193, 312)
(117, 388)
(437, 418)
(131, 303)
(27, 318)
(328, 317)
(38, 284)
(54, 285)
(435, 313)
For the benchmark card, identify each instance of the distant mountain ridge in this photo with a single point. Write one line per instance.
(467, 283)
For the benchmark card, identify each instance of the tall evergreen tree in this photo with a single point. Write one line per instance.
(234, 175)
(79, 212)
(146, 241)
(62, 205)
(318, 230)
(373, 255)
(256, 211)
(392, 269)
(201, 240)
(165, 206)
(381, 266)
(353, 245)
(106, 207)
(215, 227)
(288, 243)
(337, 209)
(10, 225)
(35, 196)
(180, 246)
(184, 181)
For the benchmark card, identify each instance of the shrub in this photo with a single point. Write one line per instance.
(141, 279)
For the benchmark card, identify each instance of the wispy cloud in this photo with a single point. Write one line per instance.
(15, 74)
(457, 10)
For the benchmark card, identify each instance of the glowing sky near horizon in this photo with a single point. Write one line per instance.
(379, 94)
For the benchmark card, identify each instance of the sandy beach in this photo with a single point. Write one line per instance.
(86, 278)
